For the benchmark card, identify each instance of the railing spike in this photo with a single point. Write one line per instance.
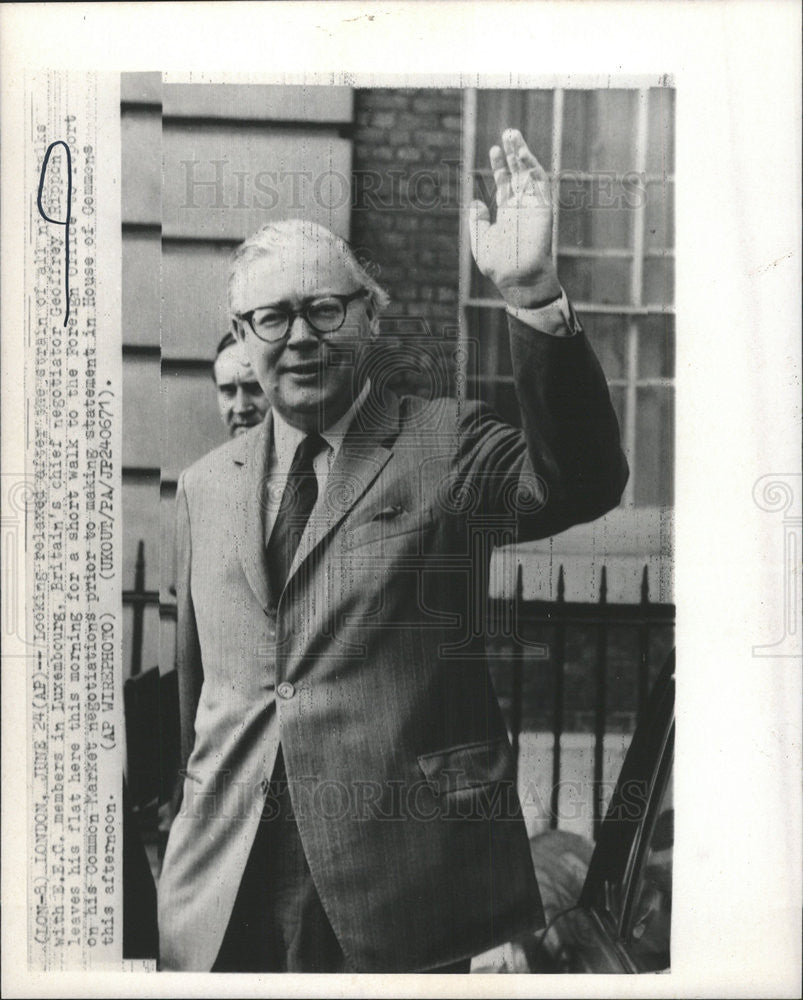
(139, 566)
(603, 585)
(561, 584)
(645, 585)
(139, 611)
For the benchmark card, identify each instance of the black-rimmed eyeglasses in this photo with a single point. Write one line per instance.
(326, 314)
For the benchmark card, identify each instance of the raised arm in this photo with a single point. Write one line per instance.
(568, 464)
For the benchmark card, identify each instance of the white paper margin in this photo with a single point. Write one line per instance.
(736, 66)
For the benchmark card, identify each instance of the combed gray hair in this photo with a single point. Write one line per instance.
(275, 236)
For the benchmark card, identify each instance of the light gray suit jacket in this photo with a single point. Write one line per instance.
(369, 667)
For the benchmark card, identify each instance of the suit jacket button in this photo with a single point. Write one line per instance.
(285, 690)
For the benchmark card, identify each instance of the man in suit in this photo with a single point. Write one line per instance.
(349, 801)
(240, 398)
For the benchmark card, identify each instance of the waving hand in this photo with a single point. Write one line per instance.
(515, 251)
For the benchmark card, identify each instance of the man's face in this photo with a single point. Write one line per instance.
(240, 398)
(311, 381)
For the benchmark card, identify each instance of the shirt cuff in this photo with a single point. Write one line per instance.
(557, 319)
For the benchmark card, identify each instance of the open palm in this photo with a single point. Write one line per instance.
(515, 252)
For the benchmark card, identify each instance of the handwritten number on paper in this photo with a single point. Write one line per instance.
(59, 222)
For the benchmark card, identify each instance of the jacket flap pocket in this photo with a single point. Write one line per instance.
(472, 765)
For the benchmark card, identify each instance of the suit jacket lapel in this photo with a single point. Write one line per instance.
(249, 496)
(361, 458)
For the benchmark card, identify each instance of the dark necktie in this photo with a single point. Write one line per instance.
(298, 499)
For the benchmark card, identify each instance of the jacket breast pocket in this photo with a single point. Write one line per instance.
(383, 529)
(467, 767)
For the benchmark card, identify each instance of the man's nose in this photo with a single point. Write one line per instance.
(301, 333)
(242, 400)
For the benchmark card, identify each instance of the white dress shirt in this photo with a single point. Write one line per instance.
(556, 319)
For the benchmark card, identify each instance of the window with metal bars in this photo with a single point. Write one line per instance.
(610, 155)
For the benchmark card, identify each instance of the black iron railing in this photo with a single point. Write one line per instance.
(536, 620)
(138, 599)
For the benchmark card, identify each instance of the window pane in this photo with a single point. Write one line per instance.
(607, 335)
(537, 127)
(659, 281)
(527, 110)
(488, 329)
(495, 110)
(656, 353)
(598, 280)
(596, 213)
(598, 128)
(659, 216)
(655, 457)
(661, 135)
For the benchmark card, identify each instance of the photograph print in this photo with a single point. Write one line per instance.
(398, 487)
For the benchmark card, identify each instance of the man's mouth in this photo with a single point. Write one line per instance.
(306, 370)
(244, 425)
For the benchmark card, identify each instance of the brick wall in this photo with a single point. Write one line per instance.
(405, 218)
